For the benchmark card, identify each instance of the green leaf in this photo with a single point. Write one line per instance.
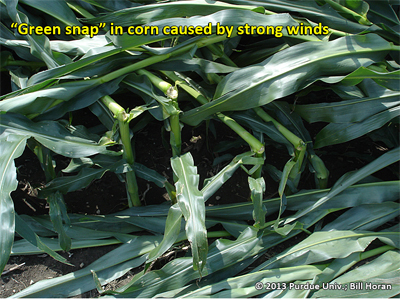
(383, 12)
(311, 10)
(40, 46)
(149, 13)
(149, 175)
(38, 101)
(172, 229)
(56, 9)
(23, 247)
(365, 217)
(52, 135)
(211, 185)
(335, 133)
(11, 147)
(356, 9)
(78, 232)
(243, 286)
(383, 271)
(191, 202)
(110, 266)
(322, 246)
(28, 234)
(72, 183)
(60, 219)
(350, 111)
(45, 77)
(289, 71)
(115, 164)
(385, 79)
(350, 178)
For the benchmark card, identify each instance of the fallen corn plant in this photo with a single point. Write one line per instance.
(260, 102)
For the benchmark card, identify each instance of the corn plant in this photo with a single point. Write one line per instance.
(267, 90)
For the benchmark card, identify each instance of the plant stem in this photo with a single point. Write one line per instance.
(321, 172)
(175, 137)
(253, 142)
(299, 145)
(257, 173)
(122, 117)
(172, 93)
(157, 82)
(292, 138)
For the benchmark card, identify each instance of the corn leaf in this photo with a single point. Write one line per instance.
(269, 81)
(110, 266)
(40, 46)
(382, 77)
(191, 203)
(335, 133)
(365, 217)
(350, 111)
(350, 178)
(154, 12)
(52, 135)
(324, 14)
(172, 229)
(383, 271)
(28, 234)
(78, 232)
(81, 180)
(11, 147)
(23, 247)
(321, 246)
(211, 185)
(179, 272)
(56, 9)
(60, 219)
(91, 57)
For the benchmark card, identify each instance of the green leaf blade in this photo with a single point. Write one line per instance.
(11, 147)
(289, 71)
(191, 202)
(52, 135)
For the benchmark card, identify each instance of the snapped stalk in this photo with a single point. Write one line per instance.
(172, 93)
(321, 173)
(253, 142)
(299, 145)
(122, 117)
